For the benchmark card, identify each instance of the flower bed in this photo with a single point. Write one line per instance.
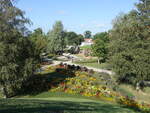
(81, 83)
(131, 102)
(84, 85)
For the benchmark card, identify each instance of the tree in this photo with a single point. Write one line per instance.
(17, 56)
(73, 39)
(102, 35)
(80, 39)
(130, 46)
(99, 48)
(87, 34)
(39, 40)
(56, 38)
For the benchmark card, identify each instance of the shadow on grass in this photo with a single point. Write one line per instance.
(44, 82)
(45, 106)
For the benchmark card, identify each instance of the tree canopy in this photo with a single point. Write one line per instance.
(39, 40)
(56, 38)
(99, 48)
(87, 34)
(17, 56)
(102, 35)
(73, 39)
(130, 45)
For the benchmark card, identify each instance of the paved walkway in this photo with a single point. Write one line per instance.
(94, 69)
(69, 62)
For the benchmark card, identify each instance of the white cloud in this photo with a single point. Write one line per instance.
(62, 12)
(94, 24)
(100, 25)
(94, 21)
(29, 9)
(84, 26)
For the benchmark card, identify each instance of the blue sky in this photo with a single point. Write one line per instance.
(76, 15)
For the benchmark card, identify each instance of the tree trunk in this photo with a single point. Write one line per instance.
(138, 86)
(98, 61)
(4, 91)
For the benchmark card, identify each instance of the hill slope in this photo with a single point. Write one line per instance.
(61, 104)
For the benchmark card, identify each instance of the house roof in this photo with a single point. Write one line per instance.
(88, 40)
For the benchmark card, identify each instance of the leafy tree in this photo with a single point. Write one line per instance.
(39, 40)
(73, 39)
(130, 45)
(80, 39)
(99, 48)
(56, 38)
(87, 34)
(102, 35)
(17, 55)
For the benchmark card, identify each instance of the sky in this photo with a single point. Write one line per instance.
(76, 15)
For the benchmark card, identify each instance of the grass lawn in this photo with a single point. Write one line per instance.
(59, 103)
(86, 47)
(93, 63)
(141, 96)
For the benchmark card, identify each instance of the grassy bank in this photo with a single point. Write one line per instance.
(49, 103)
(93, 63)
(141, 96)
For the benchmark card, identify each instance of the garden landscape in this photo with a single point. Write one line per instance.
(74, 66)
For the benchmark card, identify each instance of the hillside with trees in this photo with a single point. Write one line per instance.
(130, 45)
(18, 57)
(65, 71)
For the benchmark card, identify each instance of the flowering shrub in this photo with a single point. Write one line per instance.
(130, 102)
(84, 85)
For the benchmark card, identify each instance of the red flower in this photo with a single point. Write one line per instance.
(65, 89)
(62, 84)
(78, 87)
(97, 94)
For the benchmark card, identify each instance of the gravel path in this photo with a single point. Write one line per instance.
(94, 69)
(69, 62)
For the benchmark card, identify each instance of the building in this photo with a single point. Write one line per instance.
(87, 41)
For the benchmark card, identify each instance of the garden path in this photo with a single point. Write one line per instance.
(94, 69)
(69, 62)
